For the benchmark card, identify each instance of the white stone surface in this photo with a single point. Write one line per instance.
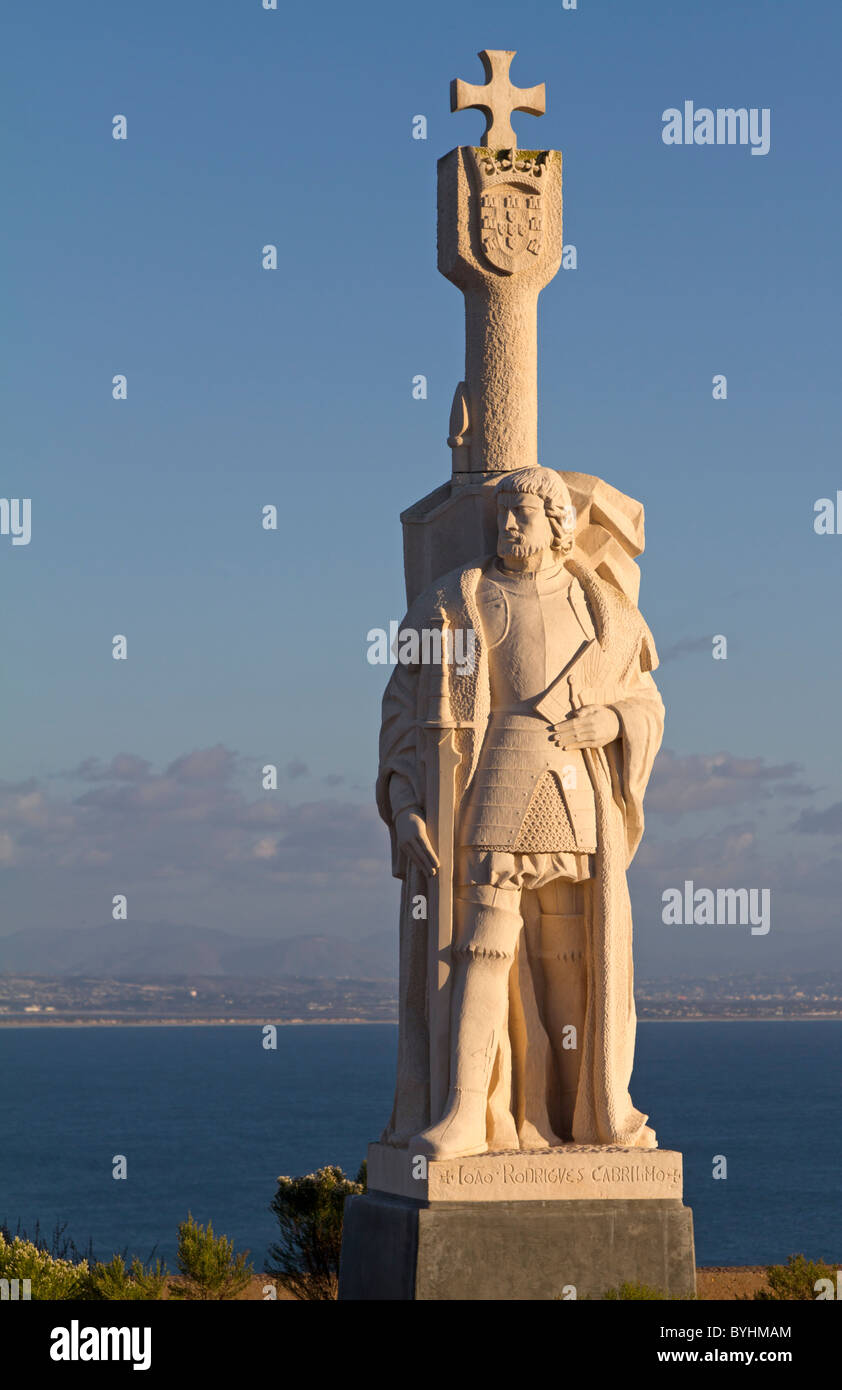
(513, 784)
(573, 1171)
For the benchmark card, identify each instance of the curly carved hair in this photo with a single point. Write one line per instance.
(551, 488)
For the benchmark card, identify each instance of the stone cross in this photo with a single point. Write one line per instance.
(500, 241)
(497, 98)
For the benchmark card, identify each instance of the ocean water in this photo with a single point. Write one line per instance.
(207, 1119)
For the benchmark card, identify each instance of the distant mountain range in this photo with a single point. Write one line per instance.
(125, 950)
(165, 950)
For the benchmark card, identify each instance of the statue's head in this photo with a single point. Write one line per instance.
(534, 515)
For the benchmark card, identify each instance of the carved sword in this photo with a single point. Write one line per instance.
(445, 760)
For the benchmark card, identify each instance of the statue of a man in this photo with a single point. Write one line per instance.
(558, 721)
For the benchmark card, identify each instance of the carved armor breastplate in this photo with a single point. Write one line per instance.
(527, 795)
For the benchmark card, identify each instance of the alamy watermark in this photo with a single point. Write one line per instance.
(15, 1290)
(16, 519)
(727, 125)
(432, 646)
(717, 907)
(81, 1343)
(828, 515)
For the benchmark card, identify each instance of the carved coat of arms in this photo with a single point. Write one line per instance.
(510, 226)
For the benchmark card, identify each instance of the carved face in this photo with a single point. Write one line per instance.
(522, 525)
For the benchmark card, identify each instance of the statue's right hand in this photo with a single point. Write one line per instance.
(413, 840)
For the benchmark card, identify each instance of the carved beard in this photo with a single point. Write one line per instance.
(517, 550)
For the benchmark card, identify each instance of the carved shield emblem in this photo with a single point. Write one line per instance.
(510, 227)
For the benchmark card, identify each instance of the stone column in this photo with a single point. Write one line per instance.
(500, 241)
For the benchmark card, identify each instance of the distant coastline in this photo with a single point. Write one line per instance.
(311, 1022)
(182, 1022)
(76, 1000)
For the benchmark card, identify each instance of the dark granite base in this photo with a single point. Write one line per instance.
(394, 1248)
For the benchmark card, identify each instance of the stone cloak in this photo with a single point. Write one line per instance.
(613, 669)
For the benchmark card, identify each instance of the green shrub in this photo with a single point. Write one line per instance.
(50, 1276)
(631, 1290)
(208, 1265)
(112, 1282)
(309, 1212)
(796, 1280)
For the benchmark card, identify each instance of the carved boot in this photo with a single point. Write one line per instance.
(488, 935)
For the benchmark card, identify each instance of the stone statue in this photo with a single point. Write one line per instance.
(519, 730)
(557, 721)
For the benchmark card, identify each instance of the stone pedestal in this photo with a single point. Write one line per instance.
(518, 1226)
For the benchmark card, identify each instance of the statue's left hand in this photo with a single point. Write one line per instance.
(591, 727)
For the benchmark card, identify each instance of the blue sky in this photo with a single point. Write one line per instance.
(293, 387)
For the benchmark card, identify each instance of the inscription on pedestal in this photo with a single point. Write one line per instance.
(574, 1171)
